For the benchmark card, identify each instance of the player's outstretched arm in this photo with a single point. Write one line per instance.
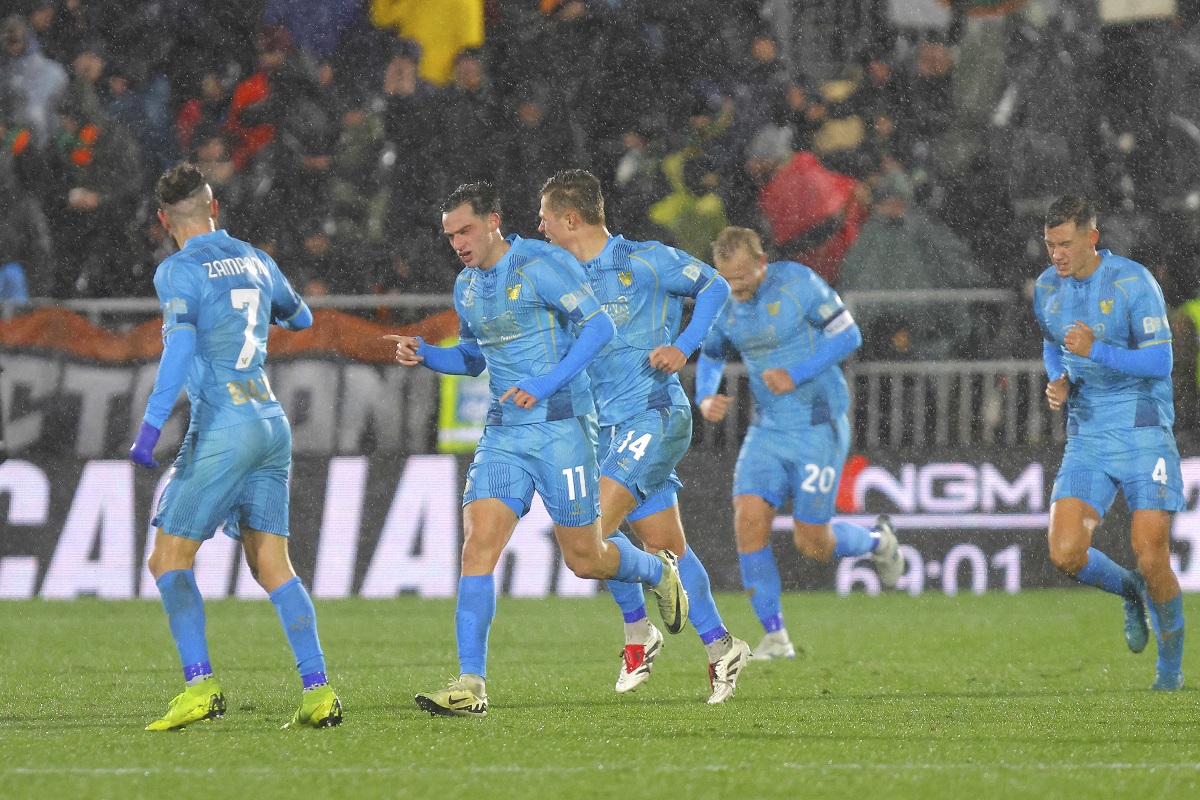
(464, 358)
(179, 346)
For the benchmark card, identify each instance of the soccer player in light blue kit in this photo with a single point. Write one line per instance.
(518, 301)
(792, 331)
(1108, 358)
(645, 416)
(219, 295)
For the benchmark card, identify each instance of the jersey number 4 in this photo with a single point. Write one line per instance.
(246, 300)
(1160, 471)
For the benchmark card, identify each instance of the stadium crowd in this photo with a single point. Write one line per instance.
(329, 138)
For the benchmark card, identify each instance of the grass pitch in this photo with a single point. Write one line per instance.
(1032, 695)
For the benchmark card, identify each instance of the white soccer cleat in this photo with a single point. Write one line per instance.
(774, 645)
(637, 660)
(723, 673)
(889, 561)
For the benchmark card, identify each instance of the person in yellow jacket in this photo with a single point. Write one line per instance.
(444, 29)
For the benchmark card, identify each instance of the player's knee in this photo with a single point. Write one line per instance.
(585, 562)
(1153, 560)
(813, 541)
(157, 564)
(1068, 555)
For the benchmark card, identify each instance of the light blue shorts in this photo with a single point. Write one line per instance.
(641, 453)
(556, 459)
(1143, 462)
(236, 475)
(803, 465)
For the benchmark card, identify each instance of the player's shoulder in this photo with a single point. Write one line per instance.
(794, 276)
(531, 255)
(1047, 281)
(663, 254)
(1118, 268)
(178, 267)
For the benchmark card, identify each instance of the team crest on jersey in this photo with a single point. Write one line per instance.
(1106, 306)
(514, 291)
(626, 277)
(773, 308)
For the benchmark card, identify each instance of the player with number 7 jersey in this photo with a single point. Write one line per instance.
(219, 295)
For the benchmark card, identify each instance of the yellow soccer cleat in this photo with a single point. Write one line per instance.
(204, 701)
(319, 708)
(462, 698)
(672, 599)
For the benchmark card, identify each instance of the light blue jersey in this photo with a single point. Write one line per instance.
(779, 327)
(1124, 306)
(228, 292)
(520, 313)
(641, 285)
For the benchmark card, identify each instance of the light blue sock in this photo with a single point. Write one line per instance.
(702, 609)
(629, 596)
(852, 540)
(637, 566)
(299, 618)
(472, 620)
(1104, 573)
(185, 614)
(1168, 630)
(760, 576)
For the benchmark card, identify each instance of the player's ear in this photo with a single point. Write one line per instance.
(162, 218)
(1094, 236)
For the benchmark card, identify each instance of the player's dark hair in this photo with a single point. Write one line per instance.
(1071, 208)
(576, 190)
(482, 196)
(178, 184)
(733, 239)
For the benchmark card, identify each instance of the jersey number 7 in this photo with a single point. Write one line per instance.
(246, 300)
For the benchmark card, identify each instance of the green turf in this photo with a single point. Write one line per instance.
(1032, 695)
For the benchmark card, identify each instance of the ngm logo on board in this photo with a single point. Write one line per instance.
(954, 495)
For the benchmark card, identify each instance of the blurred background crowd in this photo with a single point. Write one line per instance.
(883, 151)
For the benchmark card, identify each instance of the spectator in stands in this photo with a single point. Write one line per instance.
(138, 101)
(211, 156)
(94, 191)
(543, 143)
(693, 212)
(315, 25)
(209, 104)
(902, 248)
(444, 30)
(472, 126)
(930, 109)
(24, 231)
(409, 108)
(32, 79)
(248, 131)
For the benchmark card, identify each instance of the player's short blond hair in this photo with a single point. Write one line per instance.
(734, 239)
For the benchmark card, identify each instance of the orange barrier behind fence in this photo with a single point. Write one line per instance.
(331, 332)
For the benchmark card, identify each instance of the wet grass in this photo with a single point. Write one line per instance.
(1032, 695)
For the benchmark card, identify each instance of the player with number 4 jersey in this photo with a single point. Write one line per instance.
(792, 331)
(1107, 349)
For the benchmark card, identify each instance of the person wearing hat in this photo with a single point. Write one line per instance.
(901, 247)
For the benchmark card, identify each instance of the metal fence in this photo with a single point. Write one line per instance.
(919, 406)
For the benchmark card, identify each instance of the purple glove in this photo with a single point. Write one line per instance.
(142, 452)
